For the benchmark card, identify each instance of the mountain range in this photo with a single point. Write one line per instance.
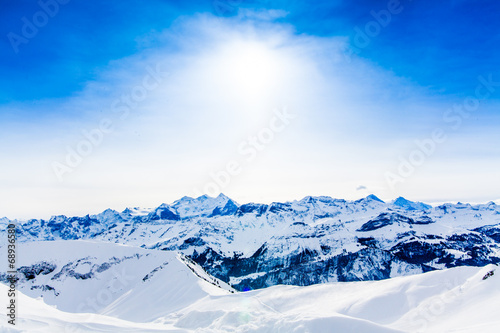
(303, 242)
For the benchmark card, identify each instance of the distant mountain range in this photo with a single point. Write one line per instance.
(310, 241)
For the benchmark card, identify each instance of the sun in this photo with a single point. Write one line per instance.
(248, 69)
(248, 78)
(252, 67)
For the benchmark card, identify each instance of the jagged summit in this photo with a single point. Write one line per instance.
(204, 206)
(207, 206)
(58, 218)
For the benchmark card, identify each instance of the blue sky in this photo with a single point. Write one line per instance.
(228, 66)
(450, 40)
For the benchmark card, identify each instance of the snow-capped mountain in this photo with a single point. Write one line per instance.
(309, 241)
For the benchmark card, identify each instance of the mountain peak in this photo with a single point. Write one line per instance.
(204, 206)
(163, 212)
(163, 205)
(410, 205)
(308, 200)
(373, 197)
(58, 218)
(109, 211)
(401, 200)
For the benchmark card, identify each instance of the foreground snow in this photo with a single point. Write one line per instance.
(180, 297)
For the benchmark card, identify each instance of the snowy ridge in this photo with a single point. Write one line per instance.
(65, 273)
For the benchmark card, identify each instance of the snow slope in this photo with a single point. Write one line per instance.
(463, 299)
(452, 300)
(84, 276)
(37, 317)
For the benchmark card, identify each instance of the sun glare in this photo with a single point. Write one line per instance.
(250, 69)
